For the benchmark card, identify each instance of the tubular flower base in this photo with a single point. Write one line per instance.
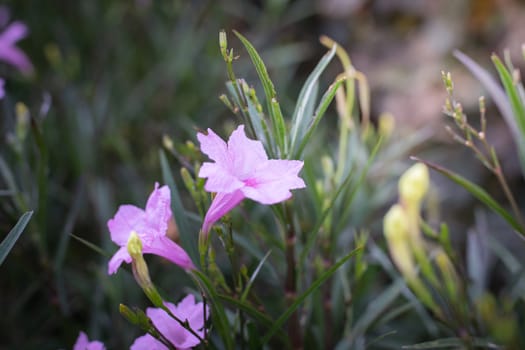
(242, 170)
(181, 338)
(151, 226)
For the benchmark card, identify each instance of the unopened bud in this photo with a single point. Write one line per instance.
(387, 123)
(395, 228)
(413, 184)
(167, 142)
(223, 43)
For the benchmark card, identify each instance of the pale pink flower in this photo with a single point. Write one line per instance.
(9, 52)
(179, 337)
(83, 343)
(242, 170)
(150, 225)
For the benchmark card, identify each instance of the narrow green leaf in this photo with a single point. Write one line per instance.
(262, 318)
(254, 276)
(13, 235)
(318, 115)
(344, 184)
(90, 245)
(453, 343)
(274, 109)
(517, 105)
(188, 239)
(374, 310)
(513, 94)
(315, 285)
(477, 192)
(500, 99)
(218, 313)
(306, 96)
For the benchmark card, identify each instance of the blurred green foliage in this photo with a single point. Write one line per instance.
(82, 135)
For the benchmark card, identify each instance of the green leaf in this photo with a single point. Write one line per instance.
(374, 310)
(218, 313)
(453, 343)
(318, 115)
(262, 318)
(515, 101)
(91, 245)
(254, 275)
(517, 105)
(508, 109)
(274, 109)
(306, 97)
(477, 192)
(188, 239)
(13, 235)
(315, 285)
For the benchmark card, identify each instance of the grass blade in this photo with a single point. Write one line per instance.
(274, 109)
(188, 240)
(477, 192)
(453, 343)
(308, 90)
(218, 314)
(517, 105)
(13, 235)
(315, 285)
(506, 107)
(319, 113)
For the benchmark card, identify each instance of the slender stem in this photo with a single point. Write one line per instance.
(508, 193)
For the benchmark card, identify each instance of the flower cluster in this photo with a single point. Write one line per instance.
(241, 169)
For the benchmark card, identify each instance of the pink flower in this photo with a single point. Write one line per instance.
(242, 170)
(9, 52)
(150, 225)
(83, 343)
(180, 337)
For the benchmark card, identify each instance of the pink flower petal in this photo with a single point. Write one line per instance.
(172, 330)
(128, 218)
(214, 147)
(83, 343)
(165, 247)
(9, 52)
(158, 210)
(147, 342)
(16, 57)
(273, 181)
(246, 154)
(219, 179)
(118, 258)
(13, 33)
(220, 206)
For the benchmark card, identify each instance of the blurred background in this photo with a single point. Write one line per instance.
(111, 78)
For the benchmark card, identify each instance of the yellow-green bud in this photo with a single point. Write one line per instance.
(395, 228)
(413, 184)
(387, 123)
(167, 142)
(223, 43)
(395, 224)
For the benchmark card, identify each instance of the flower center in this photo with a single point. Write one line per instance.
(250, 182)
